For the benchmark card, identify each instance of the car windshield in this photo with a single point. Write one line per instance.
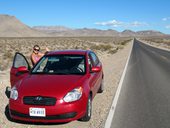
(61, 65)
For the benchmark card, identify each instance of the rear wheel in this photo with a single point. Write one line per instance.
(101, 89)
(87, 116)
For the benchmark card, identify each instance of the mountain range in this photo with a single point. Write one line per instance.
(10, 26)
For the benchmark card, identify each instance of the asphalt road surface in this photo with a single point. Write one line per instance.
(144, 100)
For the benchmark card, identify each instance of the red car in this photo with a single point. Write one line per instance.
(59, 88)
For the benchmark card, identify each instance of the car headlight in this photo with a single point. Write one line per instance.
(74, 95)
(14, 93)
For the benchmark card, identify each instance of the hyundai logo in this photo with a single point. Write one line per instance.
(38, 98)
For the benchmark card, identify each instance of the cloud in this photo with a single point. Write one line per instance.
(115, 23)
(137, 24)
(166, 18)
(168, 26)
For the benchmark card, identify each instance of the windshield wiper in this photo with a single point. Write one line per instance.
(57, 73)
(62, 73)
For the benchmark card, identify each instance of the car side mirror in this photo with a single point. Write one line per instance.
(96, 69)
(8, 91)
(23, 69)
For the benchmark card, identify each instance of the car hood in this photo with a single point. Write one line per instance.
(49, 85)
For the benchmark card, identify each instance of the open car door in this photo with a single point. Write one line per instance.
(20, 68)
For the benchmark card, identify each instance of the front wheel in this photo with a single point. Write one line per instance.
(87, 116)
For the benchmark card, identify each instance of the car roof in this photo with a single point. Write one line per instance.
(74, 52)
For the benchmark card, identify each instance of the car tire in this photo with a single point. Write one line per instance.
(101, 89)
(87, 116)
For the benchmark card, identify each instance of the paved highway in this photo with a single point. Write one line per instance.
(144, 100)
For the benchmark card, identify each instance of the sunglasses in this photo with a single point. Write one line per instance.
(36, 49)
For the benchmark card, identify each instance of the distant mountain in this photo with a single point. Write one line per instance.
(141, 33)
(64, 31)
(12, 27)
(149, 33)
(128, 33)
(52, 29)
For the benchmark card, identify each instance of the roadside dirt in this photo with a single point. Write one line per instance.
(162, 46)
(113, 68)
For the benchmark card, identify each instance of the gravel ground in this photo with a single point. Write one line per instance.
(113, 68)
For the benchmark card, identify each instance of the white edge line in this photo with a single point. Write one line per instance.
(115, 100)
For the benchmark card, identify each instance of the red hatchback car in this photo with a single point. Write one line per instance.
(59, 88)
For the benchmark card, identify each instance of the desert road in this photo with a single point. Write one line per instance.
(144, 100)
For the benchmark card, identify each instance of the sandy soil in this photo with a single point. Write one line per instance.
(157, 45)
(113, 68)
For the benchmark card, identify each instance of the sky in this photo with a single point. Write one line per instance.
(119, 15)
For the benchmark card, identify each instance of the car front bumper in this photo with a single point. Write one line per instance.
(61, 112)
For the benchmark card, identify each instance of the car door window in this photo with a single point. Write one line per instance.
(20, 60)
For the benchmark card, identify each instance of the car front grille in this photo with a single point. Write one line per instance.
(39, 100)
